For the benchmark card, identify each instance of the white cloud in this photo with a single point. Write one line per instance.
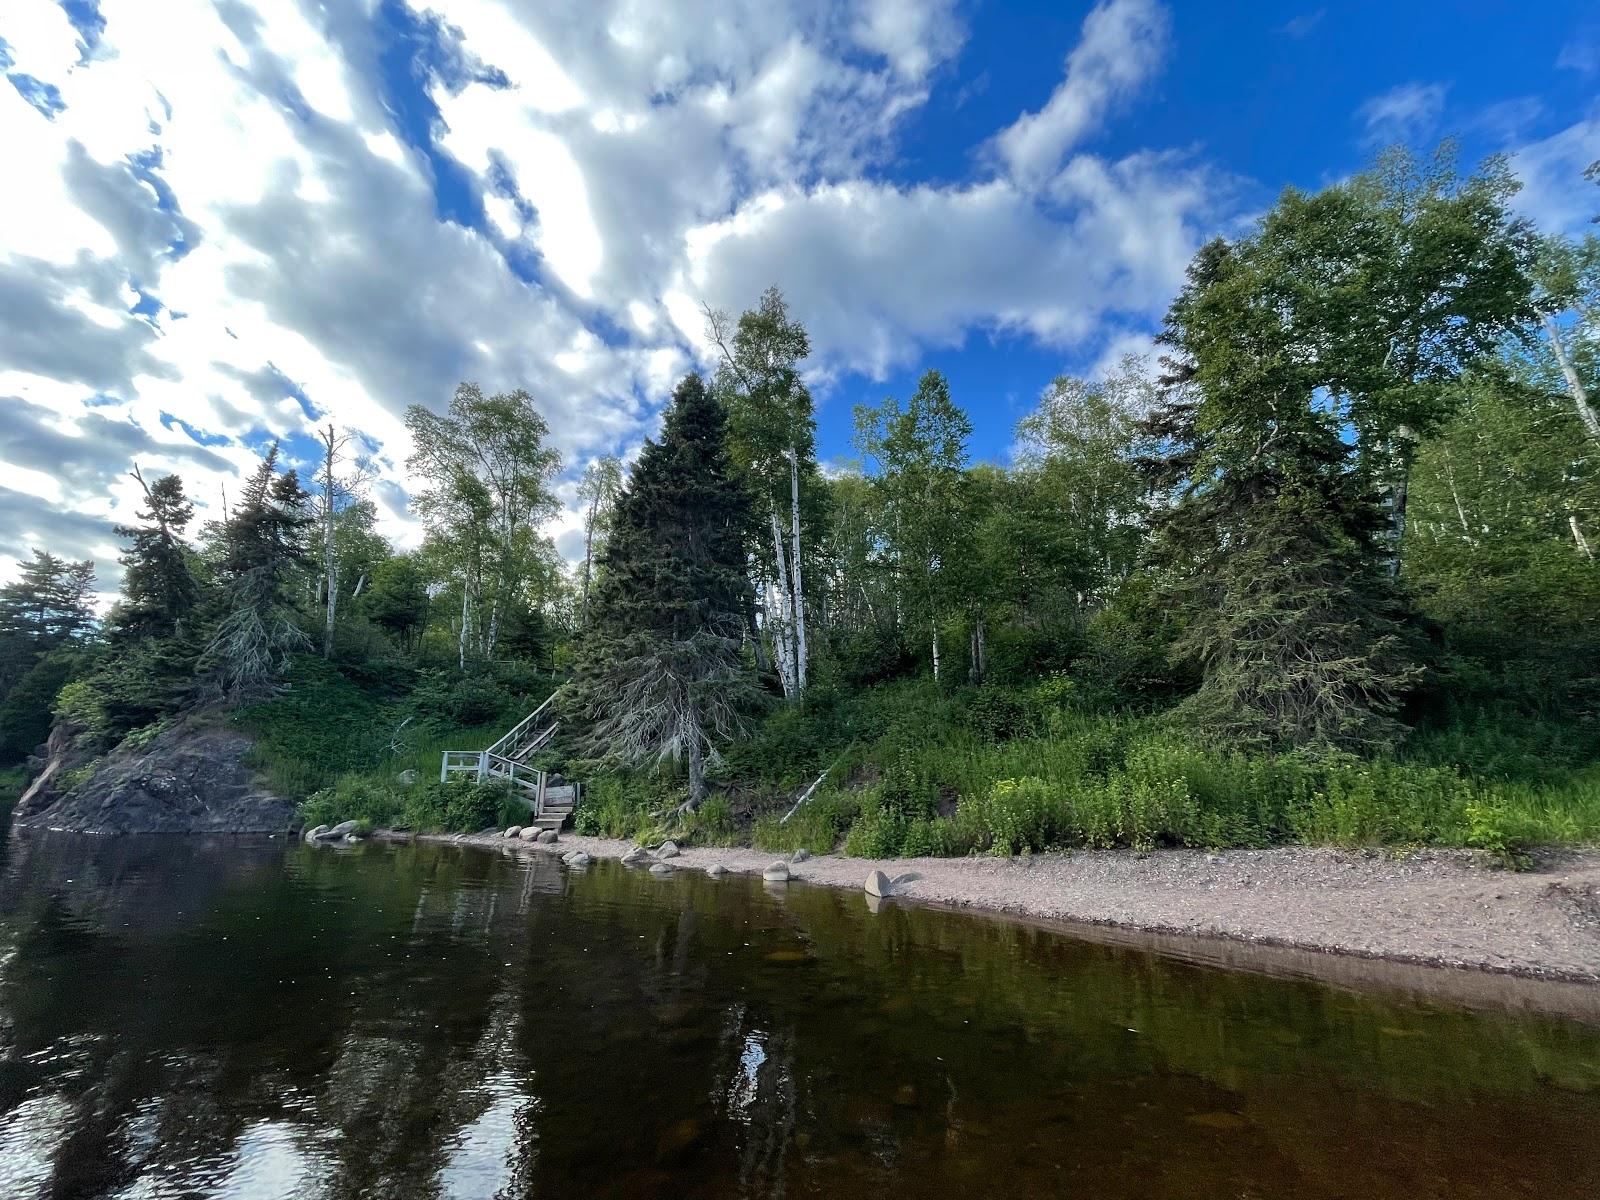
(1124, 42)
(1404, 113)
(1555, 195)
(244, 165)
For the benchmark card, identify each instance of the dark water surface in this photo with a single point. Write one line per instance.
(181, 1018)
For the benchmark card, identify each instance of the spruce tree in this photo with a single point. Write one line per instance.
(159, 590)
(659, 674)
(265, 554)
(1271, 534)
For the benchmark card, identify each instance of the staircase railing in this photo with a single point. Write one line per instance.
(506, 759)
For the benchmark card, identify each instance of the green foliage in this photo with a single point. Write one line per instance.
(25, 714)
(459, 806)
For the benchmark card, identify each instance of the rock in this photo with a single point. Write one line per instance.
(314, 833)
(514, 831)
(193, 777)
(800, 855)
(489, 831)
(549, 837)
(342, 829)
(878, 884)
(569, 856)
(351, 839)
(777, 872)
(660, 868)
(667, 850)
(716, 870)
(579, 859)
(904, 877)
(874, 903)
(406, 778)
(530, 833)
(636, 856)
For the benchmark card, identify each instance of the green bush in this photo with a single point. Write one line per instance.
(460, 806)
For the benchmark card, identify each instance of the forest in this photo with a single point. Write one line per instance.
(1322, 570)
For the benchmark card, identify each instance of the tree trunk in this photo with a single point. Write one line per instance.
(697, 772)
(783, 624)
(934, 622)
(980, 650)
(588, 559)
(330, 566)
(1575, 388)
(1400, 493)
(461, 644)
(1577, 536)
(799, 588)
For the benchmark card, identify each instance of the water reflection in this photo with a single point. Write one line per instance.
(264, 1019)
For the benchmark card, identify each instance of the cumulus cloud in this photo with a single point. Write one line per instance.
(248, 218)
(1403, 114)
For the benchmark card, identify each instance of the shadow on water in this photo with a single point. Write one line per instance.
(256, 1018)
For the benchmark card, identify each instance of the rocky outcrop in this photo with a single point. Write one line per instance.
(191, 778)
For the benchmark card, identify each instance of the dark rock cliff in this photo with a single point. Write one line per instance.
(192, 778)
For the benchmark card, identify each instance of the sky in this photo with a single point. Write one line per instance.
(241, 221)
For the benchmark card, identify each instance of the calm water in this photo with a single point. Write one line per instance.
(262, 1019)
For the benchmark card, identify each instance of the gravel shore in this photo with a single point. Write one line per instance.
(1434, 908)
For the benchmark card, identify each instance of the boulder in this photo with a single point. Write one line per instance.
(636, 856)
(777, 872)
(579, 859)
(316, 832)
(342, 829)
(530, 833)
(351, 838)
(514, 831)
(716, 870)
(406, 778)
(667, 850)
(549, 837)
(904, 877)
(660, 868)
(878, 884)
(800, 855)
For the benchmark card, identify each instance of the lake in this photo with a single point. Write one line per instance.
(256, 1018)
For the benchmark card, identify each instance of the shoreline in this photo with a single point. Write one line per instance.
(1433, 921)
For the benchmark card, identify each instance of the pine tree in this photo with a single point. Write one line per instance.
(659, 674)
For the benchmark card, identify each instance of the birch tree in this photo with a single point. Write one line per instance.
(334, 491)
(920, 452)
(597, 492)
(489, 473)
(772, 435)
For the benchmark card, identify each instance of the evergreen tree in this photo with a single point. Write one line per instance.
(49, 604)
(659, 674)
(264, 558)
(1270, 534)
(159, 590)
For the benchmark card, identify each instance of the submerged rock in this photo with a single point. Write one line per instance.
(314, 833)
(636, 856)
(342, 830)
(579, 859)
(878, 884)
(667, 850)
(716, 870)
(660, 868)
(800, 855)
(777, 872)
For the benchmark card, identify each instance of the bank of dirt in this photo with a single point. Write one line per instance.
(1434, 908)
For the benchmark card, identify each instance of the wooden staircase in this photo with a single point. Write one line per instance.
(549, 803)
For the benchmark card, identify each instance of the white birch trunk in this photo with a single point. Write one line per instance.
(783, 624)
(1578, 537)
(934, 622)
(1575, 388)
(799, 608)
(330, 566)
(461, 642)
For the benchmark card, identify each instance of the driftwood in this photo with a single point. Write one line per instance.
(806, 795)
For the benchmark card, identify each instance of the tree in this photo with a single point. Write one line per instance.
(49, 603)
(772, 435)
(397, 600)
(1389, 288)
(159, 589)
(338, 501)
(490, 475)
(659, 675)
(920, 452)
(1269, 531)
(264, 558)
(597, 492)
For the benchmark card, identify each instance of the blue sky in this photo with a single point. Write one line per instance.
(251, 218)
